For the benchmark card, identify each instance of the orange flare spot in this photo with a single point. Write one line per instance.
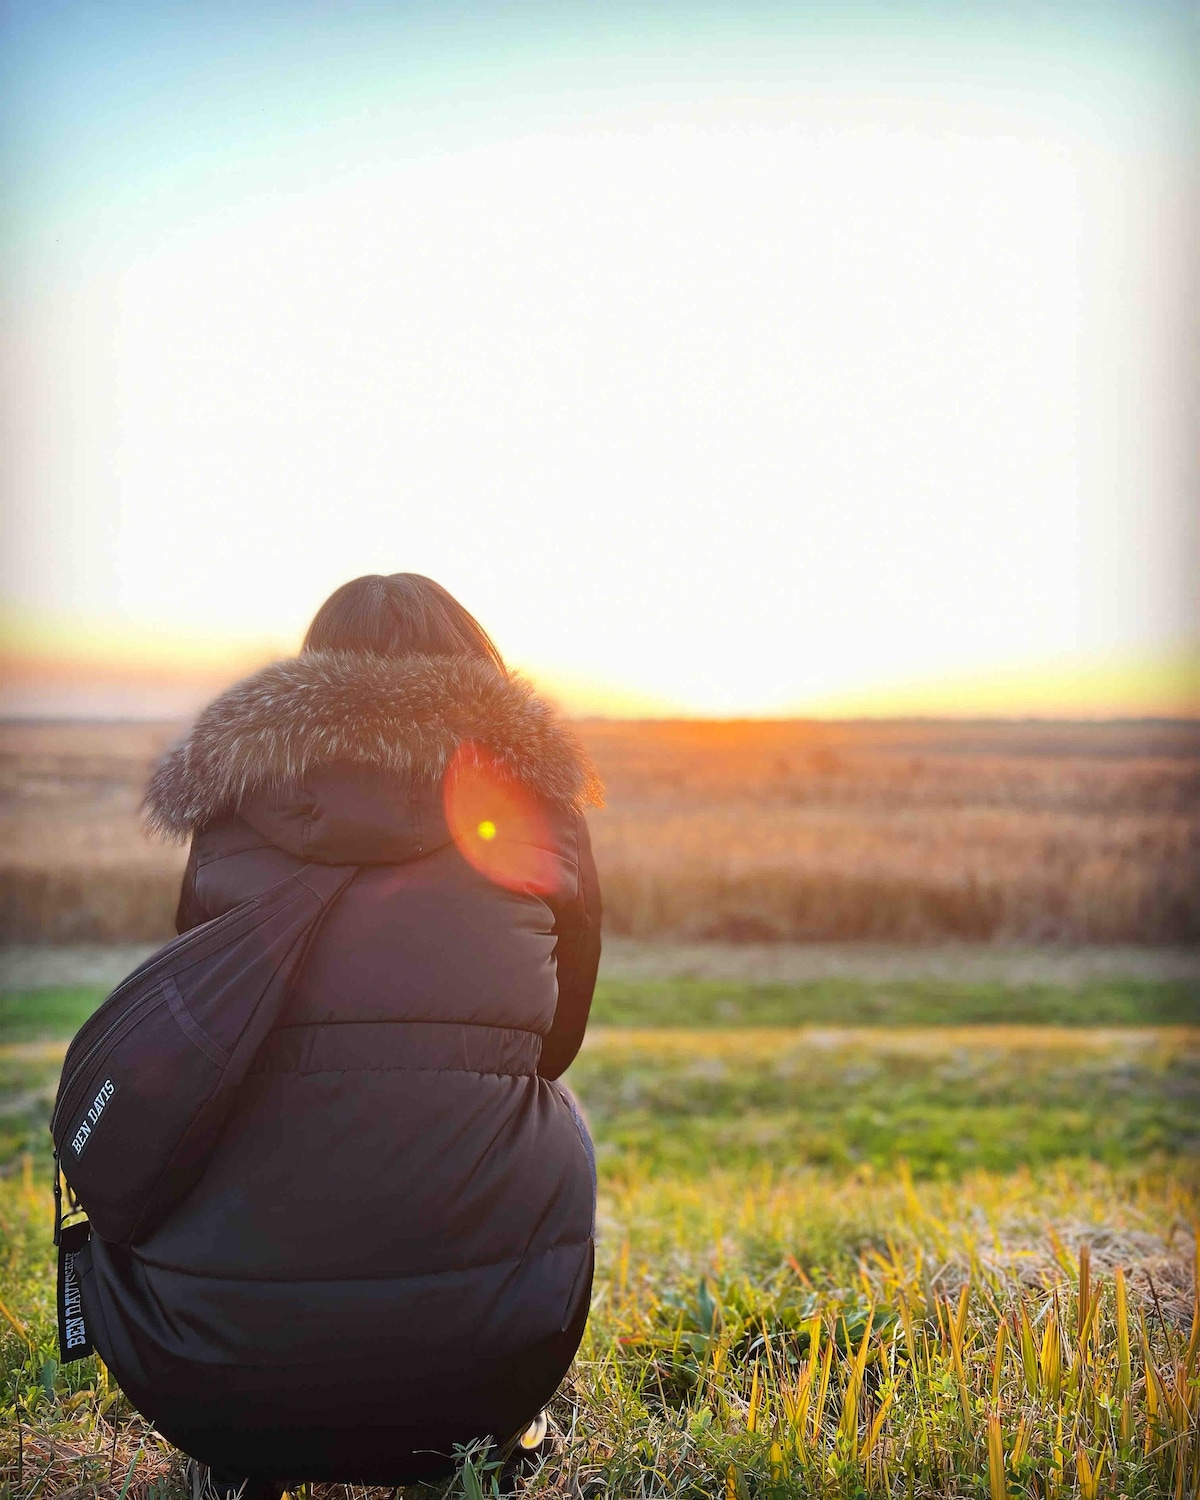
(498, 826)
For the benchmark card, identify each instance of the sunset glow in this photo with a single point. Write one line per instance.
(749, 389)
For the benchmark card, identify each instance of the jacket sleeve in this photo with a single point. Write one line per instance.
(577, 952)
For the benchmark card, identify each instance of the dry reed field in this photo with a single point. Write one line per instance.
(744, 832)
(901, 832)
(75, 865)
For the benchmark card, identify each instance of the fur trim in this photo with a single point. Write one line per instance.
(402, 714)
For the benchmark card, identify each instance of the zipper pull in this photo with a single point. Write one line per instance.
(58, 1213)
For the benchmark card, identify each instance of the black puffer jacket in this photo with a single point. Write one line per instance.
(391, 1252)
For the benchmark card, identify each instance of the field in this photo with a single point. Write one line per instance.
(910, 1216)
(911, 832)
(893, 1258)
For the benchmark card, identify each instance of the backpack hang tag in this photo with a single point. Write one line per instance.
(73, 1339)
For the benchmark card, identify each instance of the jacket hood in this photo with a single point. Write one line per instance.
(403, 715)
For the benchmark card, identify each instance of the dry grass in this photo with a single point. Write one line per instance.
(76, 866)
(909, 832)
(871, 1264)
(998, 1337)
(736, 831)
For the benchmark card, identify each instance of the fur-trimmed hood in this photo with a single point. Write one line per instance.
(402, 714)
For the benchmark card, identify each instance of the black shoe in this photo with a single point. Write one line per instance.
(525, 1453)
(533, 1439)
(213, 1484)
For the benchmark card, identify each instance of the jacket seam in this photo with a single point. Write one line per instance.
(391, 1068)
(479, 1265)
(204, 860)
(406, 1021)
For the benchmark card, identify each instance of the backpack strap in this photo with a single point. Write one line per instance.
(195, 1014)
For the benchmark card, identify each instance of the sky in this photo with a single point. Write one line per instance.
(723, 360)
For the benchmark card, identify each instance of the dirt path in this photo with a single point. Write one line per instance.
(791, 963)
(27, 968)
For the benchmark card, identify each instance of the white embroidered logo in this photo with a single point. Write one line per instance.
(74, 1332)
(97, 1107)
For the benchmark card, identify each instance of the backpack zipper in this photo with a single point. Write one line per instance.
(139, 976)
(198, 935)
(111, 1035)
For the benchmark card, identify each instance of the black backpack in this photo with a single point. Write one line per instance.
(150, 1077)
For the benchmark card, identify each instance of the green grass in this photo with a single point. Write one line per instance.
(785, 1210)
(913, 1002)
(945, 1101)
(723, 1305)
(29, 1015)
(44, 1014)
(28, 1080)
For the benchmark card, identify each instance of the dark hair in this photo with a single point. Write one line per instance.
(398, 614)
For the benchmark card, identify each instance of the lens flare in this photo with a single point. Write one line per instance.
(497, 825)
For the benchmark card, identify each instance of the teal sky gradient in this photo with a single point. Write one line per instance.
(124, 120)
(877, 323)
